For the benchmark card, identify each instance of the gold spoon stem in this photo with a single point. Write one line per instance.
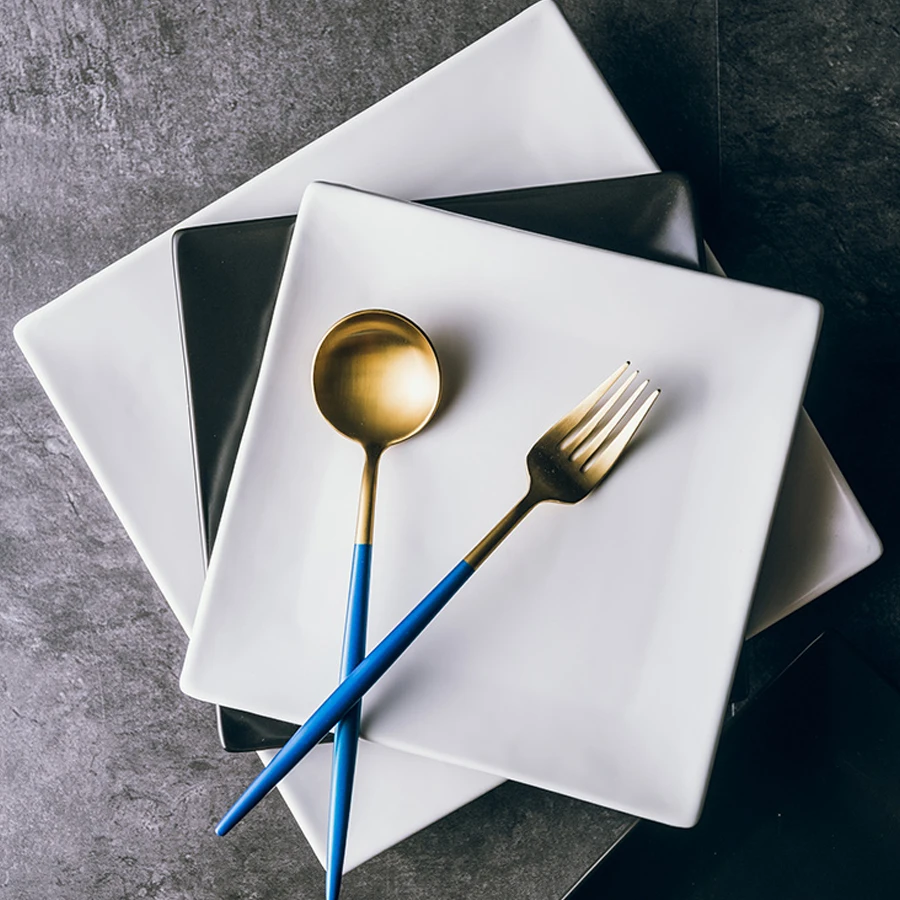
(365, 515)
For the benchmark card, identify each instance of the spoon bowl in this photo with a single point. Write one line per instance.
(376, 378)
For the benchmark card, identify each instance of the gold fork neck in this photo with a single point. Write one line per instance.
(499, 532)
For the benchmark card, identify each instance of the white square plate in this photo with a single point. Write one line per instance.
(593, 655)
(524, 105)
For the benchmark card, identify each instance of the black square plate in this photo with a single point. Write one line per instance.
(228, 276)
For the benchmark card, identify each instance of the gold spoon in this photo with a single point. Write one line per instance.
(377, 380)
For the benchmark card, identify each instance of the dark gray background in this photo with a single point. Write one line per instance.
(117, 119)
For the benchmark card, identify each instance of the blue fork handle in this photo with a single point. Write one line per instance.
(347, 694)
(346, 733)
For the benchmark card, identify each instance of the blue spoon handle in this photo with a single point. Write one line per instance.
(346, 734)
(347, 694)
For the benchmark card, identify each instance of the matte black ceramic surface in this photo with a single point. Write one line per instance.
(228, 277)
(804, 799)
(651, 216)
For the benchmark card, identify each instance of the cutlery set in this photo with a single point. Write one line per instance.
(377, 380)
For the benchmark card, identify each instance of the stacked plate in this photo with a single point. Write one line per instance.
(637, 725)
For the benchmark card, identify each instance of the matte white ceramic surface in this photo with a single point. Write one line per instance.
(522, 106)
(617, 622)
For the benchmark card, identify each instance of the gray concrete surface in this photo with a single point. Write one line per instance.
(118, 118)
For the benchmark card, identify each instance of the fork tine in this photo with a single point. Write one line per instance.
(592, 420)
(597, 466)
(584, 452)
(561, 429)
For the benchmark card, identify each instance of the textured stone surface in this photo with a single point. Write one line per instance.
(661, 62)
(118, 119)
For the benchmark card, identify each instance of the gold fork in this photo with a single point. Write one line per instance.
(564, 466)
